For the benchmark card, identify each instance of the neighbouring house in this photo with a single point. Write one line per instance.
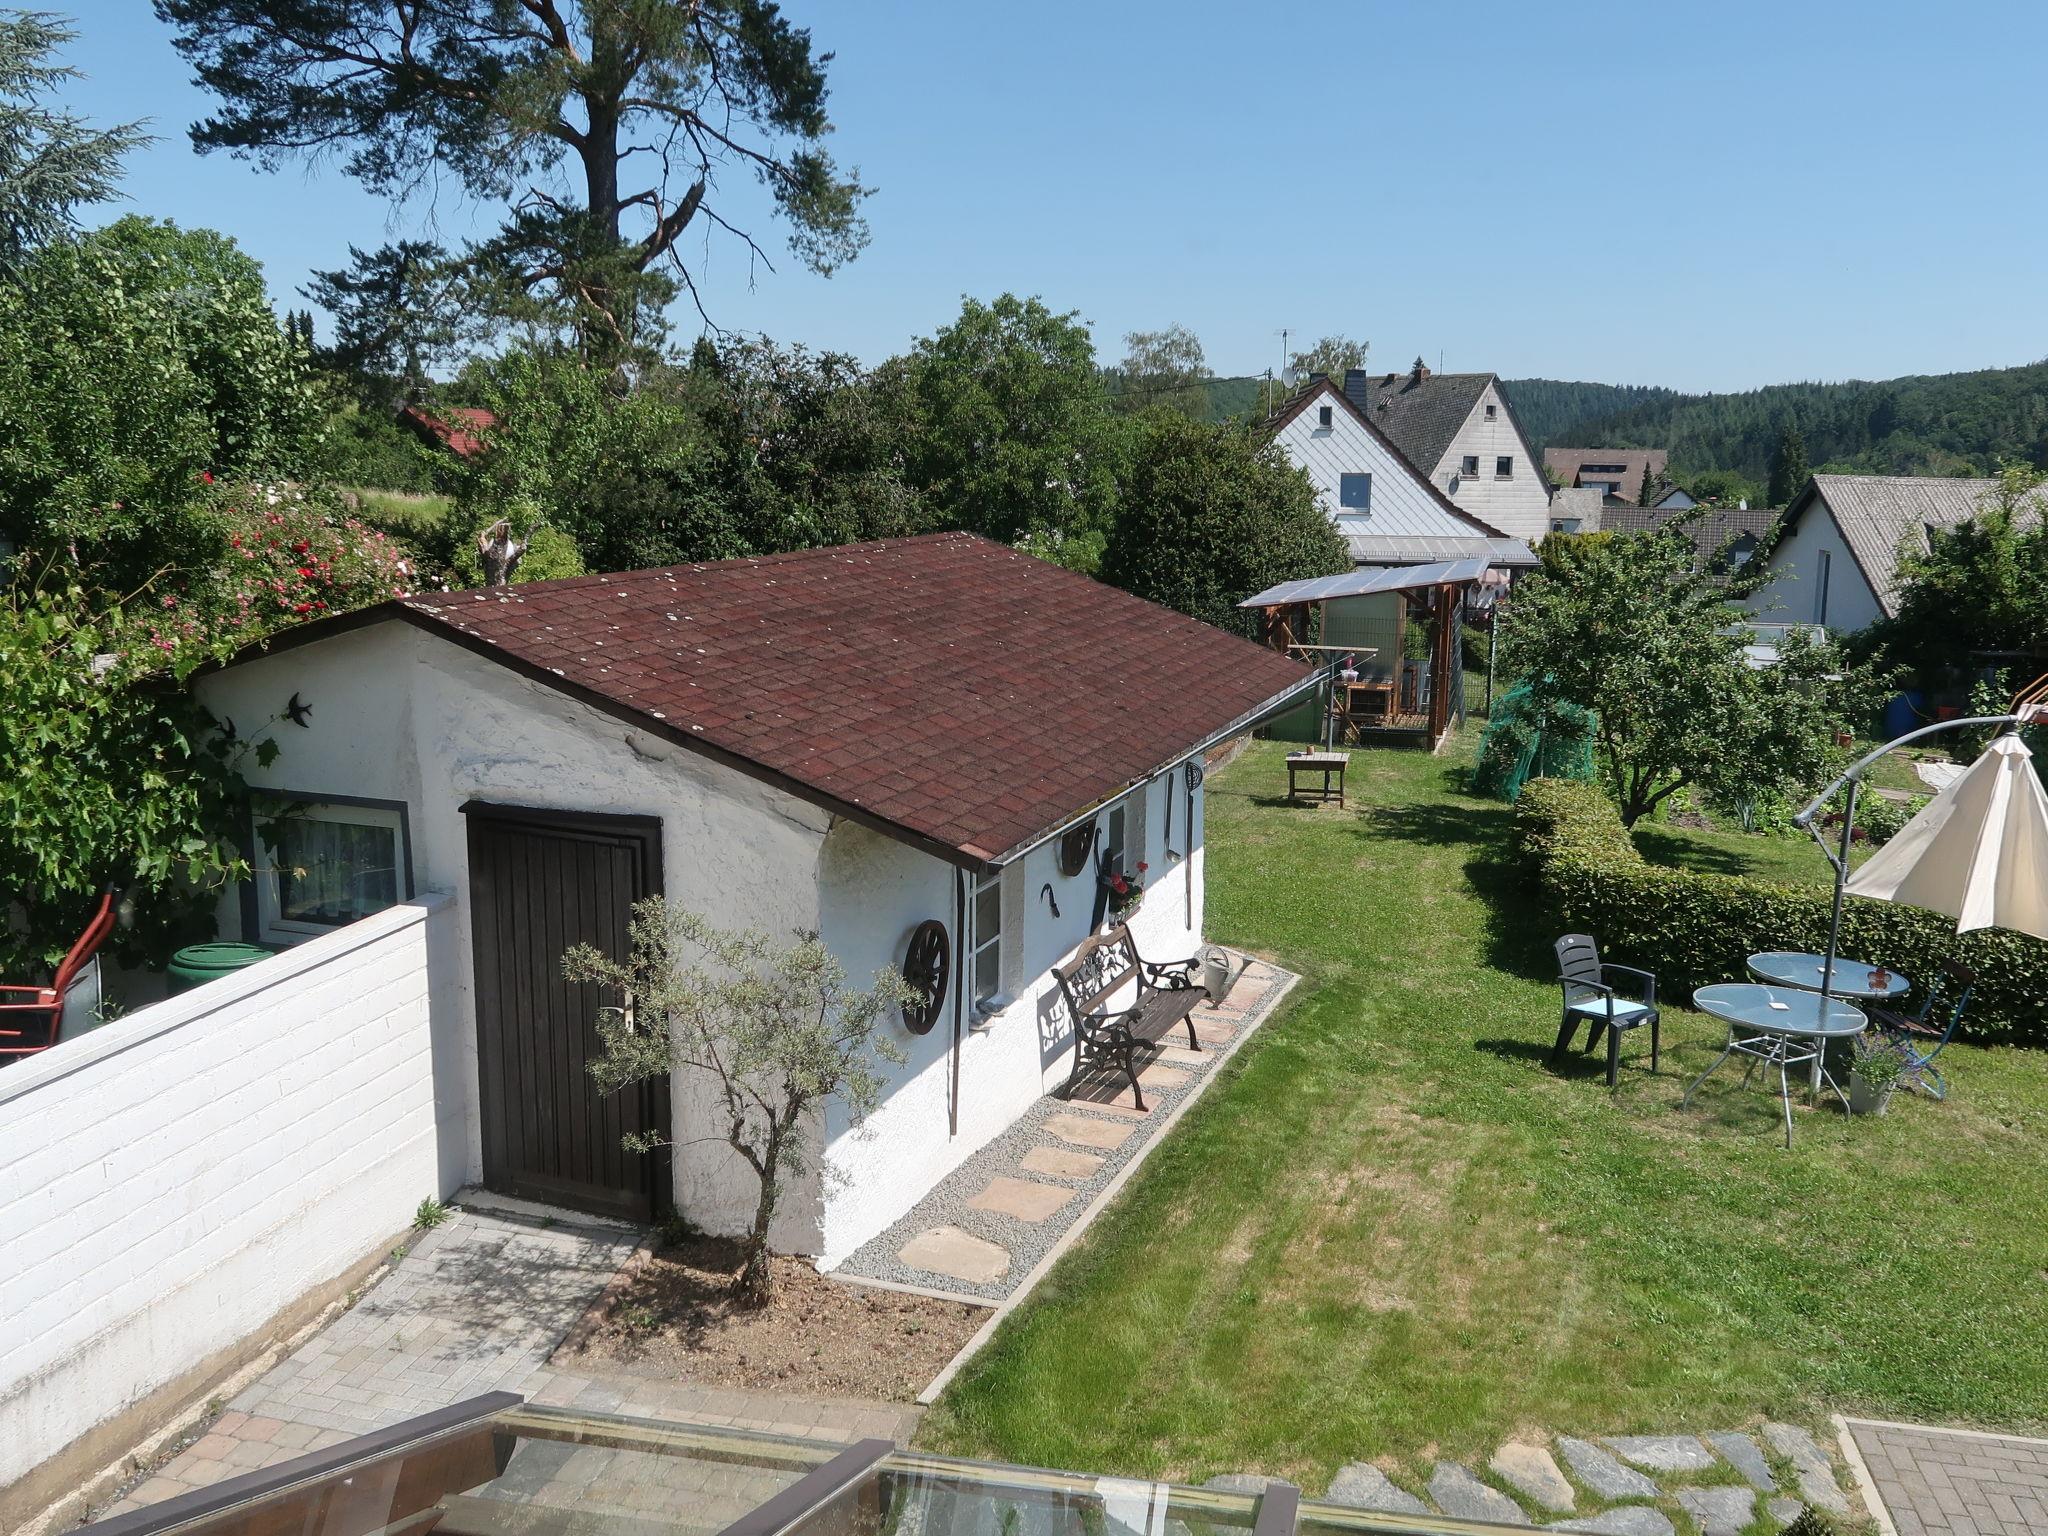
(1611, 471)
(1389, 512)
(852, 741)
(1458, 431)
(1576, 510)
(1836, 560)
(459, 429)
(1729, 536)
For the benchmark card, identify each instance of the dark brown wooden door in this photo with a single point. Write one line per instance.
(539, 882)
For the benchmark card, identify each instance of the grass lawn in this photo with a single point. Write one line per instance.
(1391, 1231)
(402, 512)
(1789, 858)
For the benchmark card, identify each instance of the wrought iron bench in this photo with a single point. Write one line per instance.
(1162, 996)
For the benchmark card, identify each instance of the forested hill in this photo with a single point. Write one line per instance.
(1937, 424)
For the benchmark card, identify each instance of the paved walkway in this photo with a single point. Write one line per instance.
(982, 1229)
(476, 1305)
(1942, 1482)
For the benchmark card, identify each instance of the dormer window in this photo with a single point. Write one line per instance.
(1324, 416)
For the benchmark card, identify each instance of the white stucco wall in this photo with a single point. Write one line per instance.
(400, 714)
(873, 891)
(1519, 506)
(1401, 502)
(1792, 595)
(177, 1178)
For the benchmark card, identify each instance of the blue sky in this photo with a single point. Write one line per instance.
(1708, 196)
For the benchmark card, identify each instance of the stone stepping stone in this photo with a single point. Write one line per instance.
(1817, 1483)
(1181, 1056)
(1629, 1520)
(1463, 1497)
(1108, 1095)
(1719, 1511)
(1602, 1473)
(1087, 1131)
(1215, 1032)
(949, 1251)
(1785, 1511)
(1155, 1074)
(1361, 1485)
(1530, 1469)
(1745, 1458)
(1059, 1163)
(1662, 1453)
(1021, 1199)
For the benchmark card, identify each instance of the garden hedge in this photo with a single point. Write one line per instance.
(1691, 928)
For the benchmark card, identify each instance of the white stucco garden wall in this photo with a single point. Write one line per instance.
(175, 1179)
(1792, 595)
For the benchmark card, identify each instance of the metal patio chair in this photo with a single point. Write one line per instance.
(1922, 1036)
(39, 1011)
(1590, 998)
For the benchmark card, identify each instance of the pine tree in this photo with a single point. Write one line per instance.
(1789, 472)
(1648, 496)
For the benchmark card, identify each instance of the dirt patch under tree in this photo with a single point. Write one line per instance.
(674, 1320)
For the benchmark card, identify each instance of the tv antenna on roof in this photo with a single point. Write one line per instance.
(1283, 333)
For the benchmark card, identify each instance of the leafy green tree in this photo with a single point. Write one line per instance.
(1622, 625)
(51, 161)
(138, 365)
(1163, 370)
(1981, 586)
(1789, 472)
(109, 772)
(1010, 434)
(775, 1030)
(550, 107)
(395, 315)
(1333, 355)
(1213, 514)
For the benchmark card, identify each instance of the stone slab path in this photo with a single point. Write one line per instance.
(1729, 1483)
(1941, 1482)
(979, 1233)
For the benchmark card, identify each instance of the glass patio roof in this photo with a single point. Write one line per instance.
(1368, 579)
(494, 1467)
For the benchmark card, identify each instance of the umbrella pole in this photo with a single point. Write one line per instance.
(1841, 862)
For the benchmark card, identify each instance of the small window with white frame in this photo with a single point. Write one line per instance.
(1492, 411)
(986, 968)
(1468, 466)
(323, 864)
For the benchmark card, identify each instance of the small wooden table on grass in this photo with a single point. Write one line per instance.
(1330, 765)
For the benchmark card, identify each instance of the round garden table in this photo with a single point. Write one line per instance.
(1782, 1027)
(1796, 968)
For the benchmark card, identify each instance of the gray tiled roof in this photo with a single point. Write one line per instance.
(1877, 513)
(1564, 464)
(1711, 529)
(1420, 417)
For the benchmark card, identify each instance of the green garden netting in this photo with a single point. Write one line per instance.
(1526, 739)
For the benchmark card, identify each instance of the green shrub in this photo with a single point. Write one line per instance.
(1692, 928)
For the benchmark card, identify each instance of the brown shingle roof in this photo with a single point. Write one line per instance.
(1566, 464)
(954, 690)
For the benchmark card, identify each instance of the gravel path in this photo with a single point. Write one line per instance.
(1029, 1241)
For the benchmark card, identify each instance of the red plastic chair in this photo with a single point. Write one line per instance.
(40, 1010)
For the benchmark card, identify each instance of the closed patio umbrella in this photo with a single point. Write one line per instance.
(1978, 851)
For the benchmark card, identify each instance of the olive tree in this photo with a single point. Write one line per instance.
(776, 1029)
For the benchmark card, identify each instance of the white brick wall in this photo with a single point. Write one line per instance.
(173, 1180)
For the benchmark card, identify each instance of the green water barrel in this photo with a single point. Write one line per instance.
(197, 964)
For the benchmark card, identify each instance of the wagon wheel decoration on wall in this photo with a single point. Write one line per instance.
(927, 967)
